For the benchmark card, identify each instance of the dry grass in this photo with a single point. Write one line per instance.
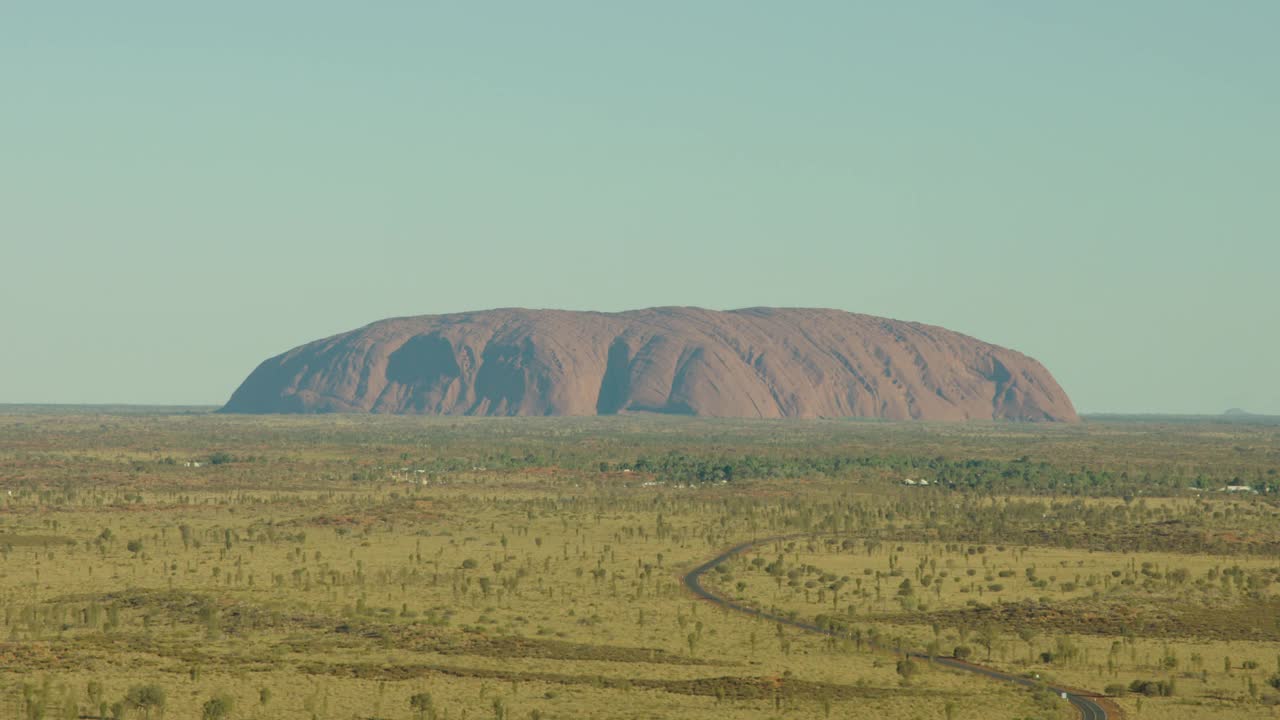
(345, 564)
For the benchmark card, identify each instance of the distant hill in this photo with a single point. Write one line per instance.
(1244, 416)
(756, 362)
(1226, 418)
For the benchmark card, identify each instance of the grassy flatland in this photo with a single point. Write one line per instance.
(336, 567)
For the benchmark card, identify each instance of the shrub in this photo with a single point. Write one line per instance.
(145, 698)
(423, 707)
(1152, 688)
(216, 708)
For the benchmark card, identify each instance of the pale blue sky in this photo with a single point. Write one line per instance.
(189, 188)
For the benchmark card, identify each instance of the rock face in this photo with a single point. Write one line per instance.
(756, 362)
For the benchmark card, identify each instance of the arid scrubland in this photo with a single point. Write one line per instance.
(200, 566)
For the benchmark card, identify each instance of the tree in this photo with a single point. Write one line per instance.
(987, 636)
(1028, 636)
(34, 700)
(907, 668)
(145, 698)
(95, 694)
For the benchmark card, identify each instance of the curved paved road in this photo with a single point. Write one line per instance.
(1089, 709)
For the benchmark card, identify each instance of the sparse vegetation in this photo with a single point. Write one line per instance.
(400, 568)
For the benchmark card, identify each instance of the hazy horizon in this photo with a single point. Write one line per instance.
(191, 190)
(110, 408)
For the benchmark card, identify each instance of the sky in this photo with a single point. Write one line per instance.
(189, 188)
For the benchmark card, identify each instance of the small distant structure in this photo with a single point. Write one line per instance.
(1238, 488)
(921, 482)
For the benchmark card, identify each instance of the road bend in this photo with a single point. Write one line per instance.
(1089, 708)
